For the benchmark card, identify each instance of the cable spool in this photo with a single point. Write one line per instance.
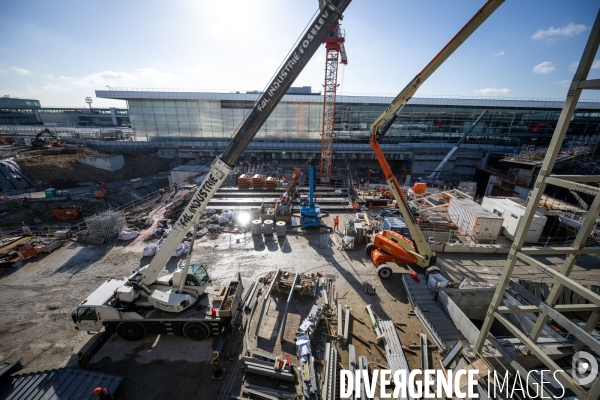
(256, 227)
(280, 228)
(268, 227)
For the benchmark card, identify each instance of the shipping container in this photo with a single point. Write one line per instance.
(473, 220)
(513, 214)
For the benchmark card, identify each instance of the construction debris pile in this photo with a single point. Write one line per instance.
(23, 247)
(305, 284)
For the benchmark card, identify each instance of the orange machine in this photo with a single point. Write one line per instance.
(389, 246)
(66, 212)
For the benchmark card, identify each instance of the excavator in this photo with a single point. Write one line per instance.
(184, 303)
(40, 143)
(389, 246)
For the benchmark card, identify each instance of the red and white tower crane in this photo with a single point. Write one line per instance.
(334, 45)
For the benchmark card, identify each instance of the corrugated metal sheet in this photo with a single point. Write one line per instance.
(474, 220)
(63, 384)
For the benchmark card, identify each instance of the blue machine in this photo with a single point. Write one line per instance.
(309, 211)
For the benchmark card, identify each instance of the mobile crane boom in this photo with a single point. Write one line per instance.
(436, 173)
(297, 59)
(184, 302)
(419, 249)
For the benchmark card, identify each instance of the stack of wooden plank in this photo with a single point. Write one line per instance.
(258, 181)
(244, 181)
(271, 182)
(306, 284)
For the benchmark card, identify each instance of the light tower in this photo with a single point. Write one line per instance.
(89, 101)
(334, 45)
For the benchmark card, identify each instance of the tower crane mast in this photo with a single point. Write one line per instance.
(335, 54)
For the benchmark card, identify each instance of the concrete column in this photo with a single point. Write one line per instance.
(113, 114)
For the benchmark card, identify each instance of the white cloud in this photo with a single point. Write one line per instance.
(50, 76)
(545, 67)
(568, 30)
(575, 64)
(499, 54)
(22, 71)
(55, 88)
(565, 83)
(32, 89)
(493, 91)
(99, 80)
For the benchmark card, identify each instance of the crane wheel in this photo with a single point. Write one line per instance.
(196, 331)
(369, 249)
(131, 331)
(384, 271)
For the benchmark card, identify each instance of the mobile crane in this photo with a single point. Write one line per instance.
(389, 246)
(184, 303)
(436, 172)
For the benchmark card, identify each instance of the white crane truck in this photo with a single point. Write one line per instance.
(184, 302)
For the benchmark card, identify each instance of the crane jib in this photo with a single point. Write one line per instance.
(297, 59)
(293, 60)
(198, 200)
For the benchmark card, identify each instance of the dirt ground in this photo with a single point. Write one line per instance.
(37, 301)
(61, 164)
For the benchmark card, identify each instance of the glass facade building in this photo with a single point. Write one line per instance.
(14, 111)
(19, 111)
(214, 116)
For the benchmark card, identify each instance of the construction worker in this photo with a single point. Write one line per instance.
(336, 223)
(103, 393)
(175, 186)
(161, 191)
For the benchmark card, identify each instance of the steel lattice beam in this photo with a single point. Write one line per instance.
(327, 135)
(560, 278)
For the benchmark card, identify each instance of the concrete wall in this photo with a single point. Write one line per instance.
(103, 161)
(472, 302)
(445, 242)
(460, 319)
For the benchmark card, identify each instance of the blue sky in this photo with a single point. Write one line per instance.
(61, 51)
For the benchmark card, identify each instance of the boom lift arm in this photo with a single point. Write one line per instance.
(436, 172)
(297, 59)
(419, 249)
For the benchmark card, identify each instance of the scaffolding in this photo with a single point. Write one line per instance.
(548, 308)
